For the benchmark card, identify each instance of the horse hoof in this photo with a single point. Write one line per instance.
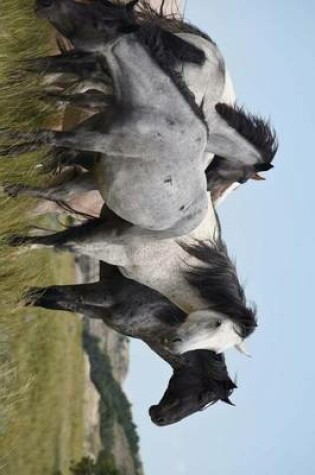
(12, 189)
(16, 240)
(32, 296)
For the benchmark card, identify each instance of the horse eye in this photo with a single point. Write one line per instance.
(176, 340)
(218, 323)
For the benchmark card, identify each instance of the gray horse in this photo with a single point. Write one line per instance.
(200, 377)
(164, 175)
(194, 272)
(198, 277)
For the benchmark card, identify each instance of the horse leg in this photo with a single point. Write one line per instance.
(112, 143)
(91, 99)
(101, 240)
(29, 141)
(91, 136)
(60, 158)
(85, 66)
(82, 183)
(88, 24)
(92, 299)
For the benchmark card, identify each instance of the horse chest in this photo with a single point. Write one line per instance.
(161, 264)
(153, 263)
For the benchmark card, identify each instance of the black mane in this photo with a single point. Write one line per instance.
(216, 374)
(213, 374)
(156, 41)
(155, 31)
(254, 129)
(217, 283)
(171, 22)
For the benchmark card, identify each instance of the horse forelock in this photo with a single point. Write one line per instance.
(206, 373)
(210, 363)
(218, 285)
(172, 22)
(256, 130)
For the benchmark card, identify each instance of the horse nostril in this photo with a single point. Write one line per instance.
(160, 420)
(156, 418)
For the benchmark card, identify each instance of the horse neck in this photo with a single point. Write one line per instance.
(136, 310)
(175, 361)
(226, 142)
(136, 76)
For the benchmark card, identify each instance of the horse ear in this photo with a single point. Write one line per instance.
(228, 401)
(231, 384)
(131, 4)
(263, 167)
(257, 177)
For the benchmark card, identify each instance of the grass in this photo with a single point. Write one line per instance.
(41, 360)
(41, 357)
(43, 395)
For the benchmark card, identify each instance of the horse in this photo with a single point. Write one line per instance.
(194, 272)
(133, 248)
(199, 378)
(168, 189)
(136, 248)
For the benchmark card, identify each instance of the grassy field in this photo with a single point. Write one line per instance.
(42, 387)
(41, 359)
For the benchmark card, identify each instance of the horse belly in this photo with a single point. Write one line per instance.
(144, 193)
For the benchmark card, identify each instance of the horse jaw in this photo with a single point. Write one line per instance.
(227, 192)
(200, 332)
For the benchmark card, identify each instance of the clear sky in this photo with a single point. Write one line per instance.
(269, 49)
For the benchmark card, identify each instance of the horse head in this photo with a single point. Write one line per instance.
(226, 319)
(208, 330)
(87, 26)
(199, 383)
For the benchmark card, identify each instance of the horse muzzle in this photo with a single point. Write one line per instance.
(156, 417)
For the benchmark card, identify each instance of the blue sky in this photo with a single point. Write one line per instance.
(269, 50)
